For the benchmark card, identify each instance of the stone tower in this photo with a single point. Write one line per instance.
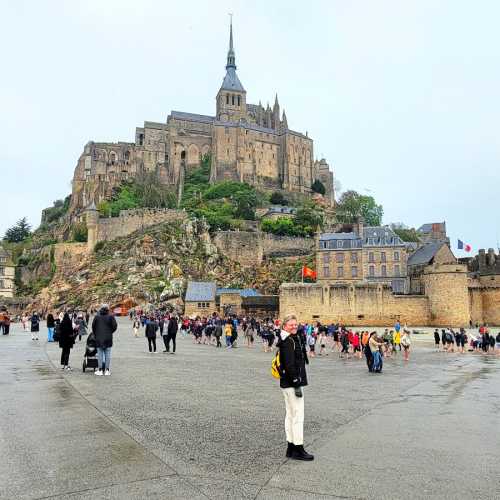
(231, 98)
(447, 290)
(92, 220)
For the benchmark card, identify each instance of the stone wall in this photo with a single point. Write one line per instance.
(360, 304)
(250, 248)
(105, 229)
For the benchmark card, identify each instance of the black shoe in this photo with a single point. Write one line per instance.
(300, 454)
(289, 450)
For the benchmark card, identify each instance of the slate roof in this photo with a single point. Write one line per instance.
(200, 291)
(244, 292)
(425, 254)
(231, 81)
(381, 233)
(338, 236)
(193, 117)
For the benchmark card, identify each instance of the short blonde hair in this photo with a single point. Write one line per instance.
(288, 318)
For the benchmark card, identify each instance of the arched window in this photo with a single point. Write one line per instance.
(112, 157)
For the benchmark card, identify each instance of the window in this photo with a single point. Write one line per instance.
(326, 272)
(239, 101)
(371, 257)
(227, 98)
(354, 271)
(396, 270)
(340, 244)
(326, 258)
(396, 256)
(384, 270)
(382, 257)
(339, 257)
(354, 257)
(371, 271)
(340, 272)
(1, 271)
(232, 100)
(2, 284)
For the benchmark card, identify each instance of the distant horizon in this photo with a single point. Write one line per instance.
(401, 104)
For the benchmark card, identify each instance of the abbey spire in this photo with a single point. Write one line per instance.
(231, 98)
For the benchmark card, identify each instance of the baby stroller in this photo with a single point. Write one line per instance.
(90, 356)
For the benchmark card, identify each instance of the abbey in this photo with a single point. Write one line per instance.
(246, 143)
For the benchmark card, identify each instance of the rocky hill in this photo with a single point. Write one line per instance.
(152, 266)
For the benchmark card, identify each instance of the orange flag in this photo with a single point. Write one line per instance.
(308, 273)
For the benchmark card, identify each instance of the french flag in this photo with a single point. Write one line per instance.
(464, 246)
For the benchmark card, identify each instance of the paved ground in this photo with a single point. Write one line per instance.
(208, 424)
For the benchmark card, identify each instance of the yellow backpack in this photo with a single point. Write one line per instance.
(276, 370)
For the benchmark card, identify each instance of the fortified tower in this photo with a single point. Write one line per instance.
(446, 287)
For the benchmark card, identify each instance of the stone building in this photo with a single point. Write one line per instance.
(246, 142)
(7, 274)
(200, 298)
(367, 254)
(433, 232)
(434, 252)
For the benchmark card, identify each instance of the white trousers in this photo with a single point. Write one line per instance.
(294, 416)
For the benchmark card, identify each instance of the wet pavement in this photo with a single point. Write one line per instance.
(207, 423)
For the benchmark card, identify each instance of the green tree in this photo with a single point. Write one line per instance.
(318, 187)
(353, 205)
(277, 198)
(18, 232)
(80, 232)
(407, 234)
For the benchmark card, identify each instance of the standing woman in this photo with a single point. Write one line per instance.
(82, 326)
(50, 327)
(406, 343)
(35, 326)
(151, 329)
(66, 341)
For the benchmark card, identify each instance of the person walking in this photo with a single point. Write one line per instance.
(135, 326)
(406, 343)
(437, 339)
(66, 341)
(35, 326)
(293, 360)
(375, 345)
(103, 327)
(6, 323)
(172, 328)
(81, 326)
(218, 333)
(150, 333)
(228, 331)
(51, 323)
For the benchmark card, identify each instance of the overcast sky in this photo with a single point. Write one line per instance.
(401, 97)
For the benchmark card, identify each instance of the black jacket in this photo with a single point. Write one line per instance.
(172, 327)
(66, 335)
(103, 327)
(151, 328)
(50, 321)
(293, 359)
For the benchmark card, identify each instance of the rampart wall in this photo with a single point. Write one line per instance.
(250, 248)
